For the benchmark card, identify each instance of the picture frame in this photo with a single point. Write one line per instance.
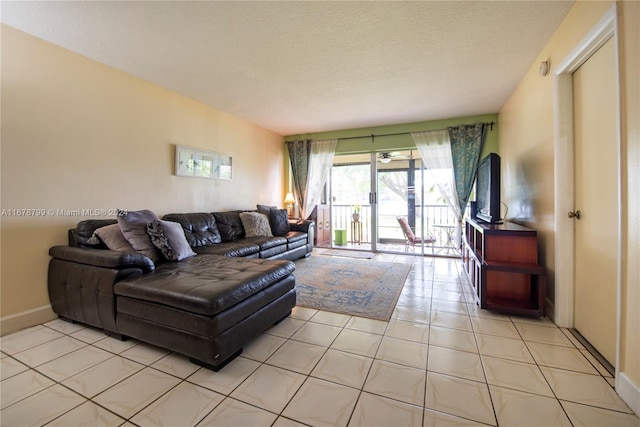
(194, 162)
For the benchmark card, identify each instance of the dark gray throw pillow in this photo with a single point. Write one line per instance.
(265, 209)
(169, 237)
(279, 220)
(133, 225)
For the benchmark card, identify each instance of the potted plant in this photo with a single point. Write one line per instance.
(356, 213)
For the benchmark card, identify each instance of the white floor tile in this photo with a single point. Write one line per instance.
(516, 375)
(185, 405)
(177, 365)
(42, 407)
(87, 414)
(136, 392)
(319, 402)
(329, 318)
(357, 342)
(102, 376)
(10, 367)
(455, 363)
(402, 352)
(453, 338)
(456, 396)
(297, 356)
(73, 363)
(316, 333)
(343, 368)
(515, 408)
(262, 347)
(367, 325)
(560, 357)
(409, 331)
(269, 388)
(21, 386)
(396, 382)
(225, 380)
(234, 413)
(589, 416)
(373, 410)
(582, 388)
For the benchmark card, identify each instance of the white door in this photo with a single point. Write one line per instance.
(596, 197)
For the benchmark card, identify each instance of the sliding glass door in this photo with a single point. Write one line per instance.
(352, 209)
(383, 189)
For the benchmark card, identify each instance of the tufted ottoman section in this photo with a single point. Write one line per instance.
(206, 307)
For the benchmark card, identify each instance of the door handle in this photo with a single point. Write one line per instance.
(577, 214)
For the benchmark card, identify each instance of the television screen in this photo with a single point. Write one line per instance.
(488, 189)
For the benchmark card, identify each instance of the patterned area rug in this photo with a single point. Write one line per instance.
(350, 286)
(348, 254)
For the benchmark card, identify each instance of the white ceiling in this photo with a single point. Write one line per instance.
(310, 66)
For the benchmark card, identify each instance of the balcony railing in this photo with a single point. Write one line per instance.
(437, 220)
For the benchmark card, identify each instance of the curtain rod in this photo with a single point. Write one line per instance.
(490, 124)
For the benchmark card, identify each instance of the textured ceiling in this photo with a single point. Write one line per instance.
(297, 67)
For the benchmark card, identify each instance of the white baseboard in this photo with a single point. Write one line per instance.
(629, 392)
(550, 309)
(26, 319)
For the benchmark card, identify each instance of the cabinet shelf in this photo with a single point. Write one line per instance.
(501, 262)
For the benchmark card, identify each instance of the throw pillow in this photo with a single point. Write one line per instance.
(255, 224)
(133, 225)
(279, 222)
(265, 209)
(169, 237)
(111, 236)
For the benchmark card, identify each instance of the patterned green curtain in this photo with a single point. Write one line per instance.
(299, 153)
(466, 145)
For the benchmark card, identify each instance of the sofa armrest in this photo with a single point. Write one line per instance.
(300, 225)
(102, 258)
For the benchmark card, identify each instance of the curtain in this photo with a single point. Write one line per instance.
(435, 152)
(320, 162)
(299, 153)
(466, 145)
(310, 163)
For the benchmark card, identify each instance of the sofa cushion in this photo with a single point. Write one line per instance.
(230, 225)
(205, 285)
(237, 248)
(255, 224)
(200, 229)
(279, 222)
(134, 227)
(265, 209)
(112, 237)
(169, 238)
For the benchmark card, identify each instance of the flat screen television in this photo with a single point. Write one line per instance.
(488, 189)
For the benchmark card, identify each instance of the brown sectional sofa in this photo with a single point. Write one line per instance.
(206, 306)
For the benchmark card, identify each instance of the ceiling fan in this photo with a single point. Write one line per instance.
(387, 156)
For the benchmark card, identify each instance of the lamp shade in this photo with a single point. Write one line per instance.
(289, 200)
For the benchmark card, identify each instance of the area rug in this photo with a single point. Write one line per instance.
(349, 254)
(356, 287)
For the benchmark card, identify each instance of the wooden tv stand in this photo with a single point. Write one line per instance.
(501, 262)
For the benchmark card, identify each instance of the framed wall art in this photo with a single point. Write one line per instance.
(202, 164)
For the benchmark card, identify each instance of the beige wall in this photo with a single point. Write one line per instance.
(527, 148)
(79, 135)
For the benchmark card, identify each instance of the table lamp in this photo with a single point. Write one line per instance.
(289, 201)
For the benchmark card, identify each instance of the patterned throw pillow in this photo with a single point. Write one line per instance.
(255, 224)
(133, 225)
(169, 237)
(279, 222)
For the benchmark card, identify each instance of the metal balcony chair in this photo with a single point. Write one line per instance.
(411, 240)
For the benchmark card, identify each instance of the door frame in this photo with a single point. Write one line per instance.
(563, 309)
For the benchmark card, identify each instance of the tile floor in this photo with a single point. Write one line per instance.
(439, 361)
